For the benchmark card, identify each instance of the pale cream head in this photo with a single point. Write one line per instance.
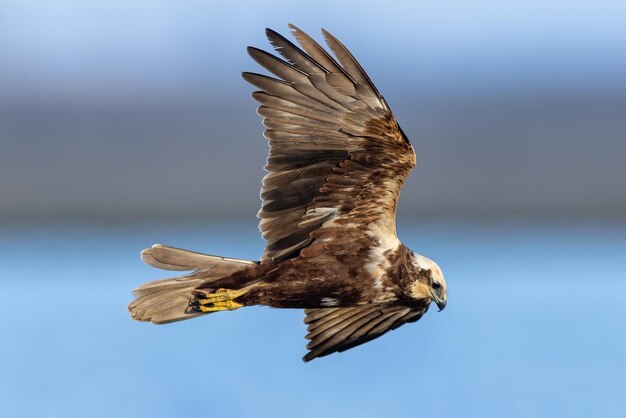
(435, 285)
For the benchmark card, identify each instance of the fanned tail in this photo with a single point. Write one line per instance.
(164, 301)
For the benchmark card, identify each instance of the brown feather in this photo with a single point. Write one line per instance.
(167, 300)
(320, 55)
(339, 329)
(316, 122)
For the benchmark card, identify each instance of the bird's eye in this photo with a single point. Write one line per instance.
(436, 285)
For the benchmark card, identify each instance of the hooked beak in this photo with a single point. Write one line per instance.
(441, 304)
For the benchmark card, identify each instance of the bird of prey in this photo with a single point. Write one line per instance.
(337, 162)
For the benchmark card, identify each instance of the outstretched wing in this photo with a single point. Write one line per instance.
(334, 330)
(336, 150)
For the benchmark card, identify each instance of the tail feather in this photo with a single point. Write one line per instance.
(172, 258)
(163, 307)
(164, 301)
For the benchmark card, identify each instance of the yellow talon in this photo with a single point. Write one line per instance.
(228, 305)
(219, 300)
(222, 295)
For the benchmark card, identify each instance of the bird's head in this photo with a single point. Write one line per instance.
(427, 281)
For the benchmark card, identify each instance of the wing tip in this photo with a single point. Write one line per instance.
(314, 354)
(252, 50)
(269, 32)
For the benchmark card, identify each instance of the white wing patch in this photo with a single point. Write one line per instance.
(314, 215)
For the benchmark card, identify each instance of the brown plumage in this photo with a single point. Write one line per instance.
(337, 162)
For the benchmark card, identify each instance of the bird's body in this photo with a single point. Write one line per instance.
(338, 160)
(339, 279)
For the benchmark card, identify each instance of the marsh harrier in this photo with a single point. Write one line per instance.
(337, 162)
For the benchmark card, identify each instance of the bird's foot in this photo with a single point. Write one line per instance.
(217, 300)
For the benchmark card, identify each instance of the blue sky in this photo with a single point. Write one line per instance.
(533, 325)
(533, 328)
(505, 102)
(74, 49)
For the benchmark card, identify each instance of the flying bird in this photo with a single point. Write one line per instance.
(336, 165)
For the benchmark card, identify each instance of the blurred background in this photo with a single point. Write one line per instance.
(128, 123)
